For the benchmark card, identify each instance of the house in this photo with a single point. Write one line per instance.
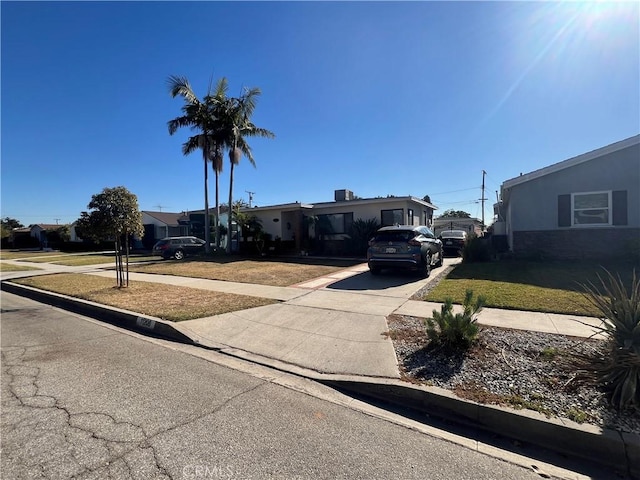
(468, 224)
(158, 225)
(584, 207)
(297, 223)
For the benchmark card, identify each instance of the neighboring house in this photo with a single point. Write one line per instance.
(158, 225)
(584, 207)
(469, 225)
(20, 236)
(295, 223)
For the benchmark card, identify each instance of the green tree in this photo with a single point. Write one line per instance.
(114, 215)
(7, 225)
(426, 198)
(451, 213)
(202, 117)
(233, 116)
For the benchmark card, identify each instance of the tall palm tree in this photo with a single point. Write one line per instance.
(196, 115)
(235, 119)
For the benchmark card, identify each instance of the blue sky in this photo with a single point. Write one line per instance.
(402, 98)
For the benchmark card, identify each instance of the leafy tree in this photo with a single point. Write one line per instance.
(201, 116)
(11, 223)
(451, 213)
(426, 198)
(360, 233)
(114, 215)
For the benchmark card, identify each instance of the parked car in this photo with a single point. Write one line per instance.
(404, 246)
(453, 241)
(178, 247)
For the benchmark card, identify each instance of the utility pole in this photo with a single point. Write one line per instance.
(482, 199)
(250, 197)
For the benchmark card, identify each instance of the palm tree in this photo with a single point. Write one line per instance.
(235, 117)
(200, 116)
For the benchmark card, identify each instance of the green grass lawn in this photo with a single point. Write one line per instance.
(554, 287)
(78, 260)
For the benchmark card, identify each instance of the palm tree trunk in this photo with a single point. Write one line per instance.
(230, 214)
(217, 226)
(207, 226)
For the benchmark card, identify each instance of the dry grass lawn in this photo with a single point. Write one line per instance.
(260, 272)
(9, 267)
(163, 301)
(25, 255)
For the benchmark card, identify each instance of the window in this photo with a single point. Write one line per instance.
(410, 215)
(392, 217)
(592, 208)
(334, 223)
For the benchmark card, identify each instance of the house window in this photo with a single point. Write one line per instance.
(593, 208)
(334, 223)
(410, 215)
(392, 217)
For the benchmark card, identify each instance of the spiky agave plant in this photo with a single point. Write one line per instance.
(457, 330)
(617, 367)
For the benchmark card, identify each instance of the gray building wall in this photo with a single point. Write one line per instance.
(533, 205)
(532, 212)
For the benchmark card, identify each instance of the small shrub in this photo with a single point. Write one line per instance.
(476, 249)
(459, 330)
(616, 367)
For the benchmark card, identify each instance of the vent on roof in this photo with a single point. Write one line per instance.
(343, 195)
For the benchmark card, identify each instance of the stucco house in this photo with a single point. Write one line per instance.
(291, 222)
(584, 207)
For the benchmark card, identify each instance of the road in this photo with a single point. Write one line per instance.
(86, 400)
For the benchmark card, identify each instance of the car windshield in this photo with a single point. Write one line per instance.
(394, 236)
(453, 234)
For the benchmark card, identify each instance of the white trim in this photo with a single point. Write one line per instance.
(609, 209)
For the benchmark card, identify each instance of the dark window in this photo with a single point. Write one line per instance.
(392, 217)
(410, 215)
(334, 223)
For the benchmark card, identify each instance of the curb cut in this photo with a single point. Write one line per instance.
(605, 446)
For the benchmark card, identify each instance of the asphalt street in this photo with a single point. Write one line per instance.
(90, 401)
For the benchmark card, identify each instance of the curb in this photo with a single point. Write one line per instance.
(115, 316)
(607, 447)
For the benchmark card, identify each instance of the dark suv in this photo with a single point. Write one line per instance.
(178, 247)
(404, 246)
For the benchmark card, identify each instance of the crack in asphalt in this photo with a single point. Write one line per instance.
(96, 444)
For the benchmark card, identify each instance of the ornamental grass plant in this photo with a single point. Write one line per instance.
(615, 367)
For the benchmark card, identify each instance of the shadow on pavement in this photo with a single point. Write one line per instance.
(366, 281)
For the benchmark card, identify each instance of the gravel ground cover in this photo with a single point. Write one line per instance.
(515, 368)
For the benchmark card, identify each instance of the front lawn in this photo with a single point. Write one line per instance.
(168, 302)
(79, 260)
(279, 273)
(554, 287)
(10, 267)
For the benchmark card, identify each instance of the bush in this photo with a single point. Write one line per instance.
(459, 330)
(616, 368)
(476, 249)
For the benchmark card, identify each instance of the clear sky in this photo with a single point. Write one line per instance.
(381, 98)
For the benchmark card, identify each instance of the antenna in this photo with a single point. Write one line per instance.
(57, 220)
(251, 194)
(160, 207)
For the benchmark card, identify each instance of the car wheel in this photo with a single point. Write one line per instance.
(426, 265)
(374, 270)
(440, 259)
(179, 255)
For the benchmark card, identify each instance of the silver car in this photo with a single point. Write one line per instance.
(404, 246)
